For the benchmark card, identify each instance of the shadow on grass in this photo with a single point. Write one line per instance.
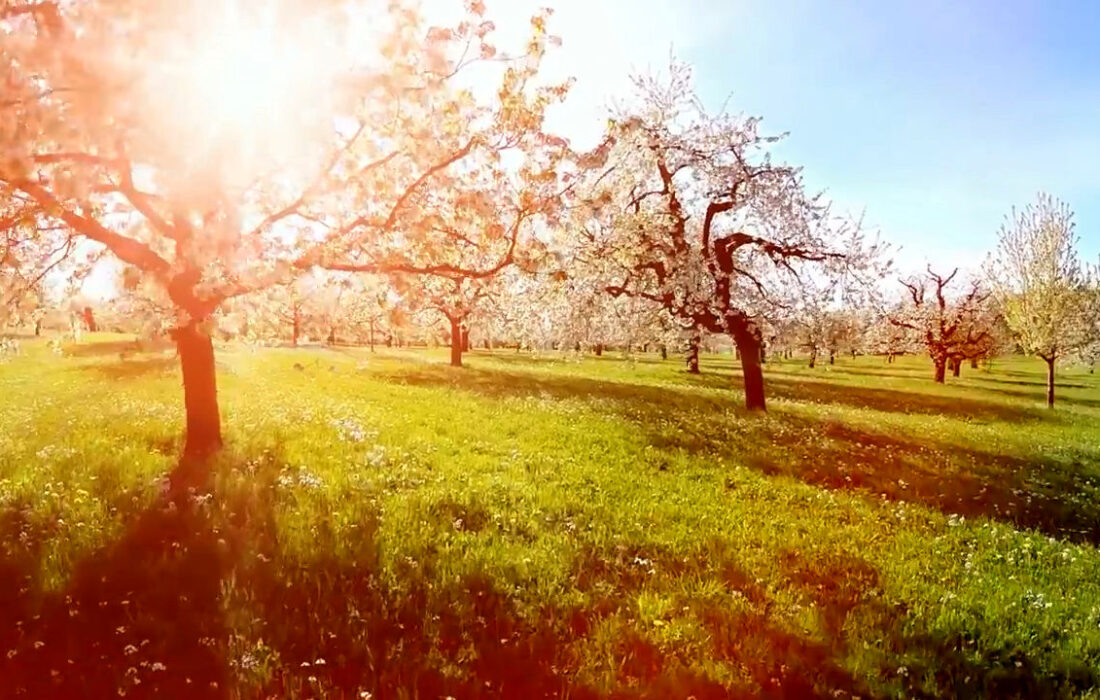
(102, 349)
(814, 390)
(206, 599)
(1029, 492)
(134, 368)
(140, 616)
(1038, 395)
(556, 357)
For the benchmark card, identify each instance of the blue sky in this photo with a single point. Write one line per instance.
(934, 117)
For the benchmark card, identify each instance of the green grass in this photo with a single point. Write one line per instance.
(384, 525)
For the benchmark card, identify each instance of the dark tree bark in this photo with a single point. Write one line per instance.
(465, 339)
(693, 355)
(371, 338)
(200, 393)
(974, 362)
(763, 351)
(941, 370)
(89, 319)
(664, 352)
(331, 336)
(599, 350)
(296, 328)
(749, 343)
(1050, 381)
(813, 357)
(956, 367)
(832, 357)
(456, 342)
(37, 328)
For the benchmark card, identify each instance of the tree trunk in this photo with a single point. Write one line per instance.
(38, 328)
(664, 352)
(371, 339)
(599, 349)
(456, 343)
(813, 357)
(832, 357)
(465, 339)
(1050, 382)
(763, 352)
(750, 345)
(89, 320)
(200, 393)
(941, 370)
(973, 363)
(693, 355)
(296, 331)
(956, 367)
(331, 336)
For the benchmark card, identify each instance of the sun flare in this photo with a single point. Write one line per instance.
(239, 85)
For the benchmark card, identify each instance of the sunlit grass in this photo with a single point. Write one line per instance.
(549, 526)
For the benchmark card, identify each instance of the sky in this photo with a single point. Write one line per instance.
(929, 118)
(932, 118)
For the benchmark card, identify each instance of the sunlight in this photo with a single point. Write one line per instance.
(240, 86)
(243, 76)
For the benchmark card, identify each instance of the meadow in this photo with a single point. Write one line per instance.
(382, 525)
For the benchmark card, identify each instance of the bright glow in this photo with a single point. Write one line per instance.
(243, 77)
(237, 86)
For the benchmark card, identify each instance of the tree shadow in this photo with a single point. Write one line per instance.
(1038, 395)
(102, 349)
(136, 368)
(813, 390)
(140, 615)
(204, 596)
(1039, 385)
(1030, 492)
(557, 357)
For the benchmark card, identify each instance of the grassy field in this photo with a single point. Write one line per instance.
(382, 525)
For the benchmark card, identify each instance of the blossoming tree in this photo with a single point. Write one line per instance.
(217, 146)
(1046, 294)
(698, 219)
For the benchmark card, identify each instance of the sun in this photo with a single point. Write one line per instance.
(238, 84)
(244, 76)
